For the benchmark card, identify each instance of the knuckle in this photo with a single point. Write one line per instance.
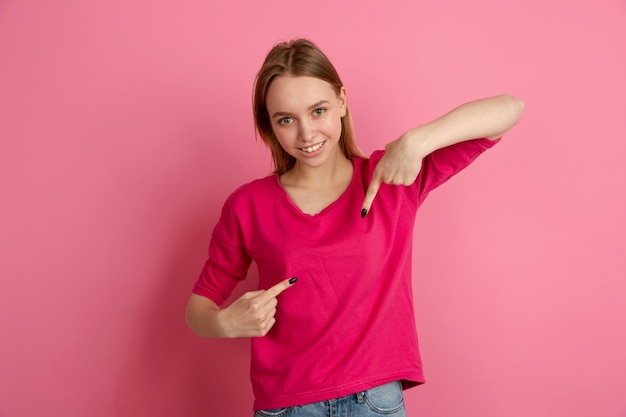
(266, 329)
(258, 317)
(254, 305)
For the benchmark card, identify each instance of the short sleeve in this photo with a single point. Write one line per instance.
(228, 260)
(444, 163)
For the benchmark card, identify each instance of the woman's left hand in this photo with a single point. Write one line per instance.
(487, 118)
(400, 165)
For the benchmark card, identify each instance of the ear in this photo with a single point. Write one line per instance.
(343, 101)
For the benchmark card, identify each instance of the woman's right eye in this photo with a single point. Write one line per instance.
(284, 120)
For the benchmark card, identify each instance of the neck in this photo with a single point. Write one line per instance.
(316, 177)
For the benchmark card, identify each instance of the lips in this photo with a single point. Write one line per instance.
(312, 148)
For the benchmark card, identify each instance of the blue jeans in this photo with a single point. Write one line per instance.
(385, 400)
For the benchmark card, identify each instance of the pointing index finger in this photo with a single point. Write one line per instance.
(370, 194)
(274, 291)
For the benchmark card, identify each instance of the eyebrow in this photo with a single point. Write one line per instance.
(313, 106)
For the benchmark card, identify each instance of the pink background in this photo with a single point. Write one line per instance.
(125, 124)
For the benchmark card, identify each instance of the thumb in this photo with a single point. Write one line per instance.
(370, 194)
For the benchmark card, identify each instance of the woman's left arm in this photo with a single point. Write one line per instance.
(486, 118)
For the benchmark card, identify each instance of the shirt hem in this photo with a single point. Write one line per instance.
(409, 380)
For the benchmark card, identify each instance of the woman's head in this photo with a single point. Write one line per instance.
(298, 57)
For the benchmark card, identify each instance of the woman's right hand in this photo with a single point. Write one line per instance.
(251, 315)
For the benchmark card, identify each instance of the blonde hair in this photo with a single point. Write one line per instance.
(298, 57)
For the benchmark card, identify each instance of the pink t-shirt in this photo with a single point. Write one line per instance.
(348, 324)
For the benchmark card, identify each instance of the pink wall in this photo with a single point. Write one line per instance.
(124, 125)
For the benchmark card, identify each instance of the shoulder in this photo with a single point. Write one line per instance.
(253, 192)
(365, 165)
(372, 160)
(264, 184)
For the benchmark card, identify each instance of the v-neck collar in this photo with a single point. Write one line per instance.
(330, 206)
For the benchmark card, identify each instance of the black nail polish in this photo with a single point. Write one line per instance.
(363, 213)
(292, 280)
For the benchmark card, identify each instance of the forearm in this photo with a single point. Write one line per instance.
(485, 118)
(201, 316)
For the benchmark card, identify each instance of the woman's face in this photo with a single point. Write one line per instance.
(305, 113)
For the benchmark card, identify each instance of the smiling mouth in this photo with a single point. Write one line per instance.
(312, 148)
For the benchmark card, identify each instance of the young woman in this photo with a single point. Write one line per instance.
(343, 338)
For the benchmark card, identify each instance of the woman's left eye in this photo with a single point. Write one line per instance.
(319, 111)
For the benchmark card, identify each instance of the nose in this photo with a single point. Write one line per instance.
(306, 130)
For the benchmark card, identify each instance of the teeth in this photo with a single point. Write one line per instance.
(313, 148)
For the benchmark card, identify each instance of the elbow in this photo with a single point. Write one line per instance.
(509, 112)
(201, 317)
(192, 320)
(197, 327)
(189, 320)
(515, 106)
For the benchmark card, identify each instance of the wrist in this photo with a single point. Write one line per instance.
(219, 328)
(418, 140)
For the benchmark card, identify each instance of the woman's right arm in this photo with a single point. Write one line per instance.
(201, 316)
(251, 315)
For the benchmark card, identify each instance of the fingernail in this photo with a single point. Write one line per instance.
(292, 280)
(363, 213)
